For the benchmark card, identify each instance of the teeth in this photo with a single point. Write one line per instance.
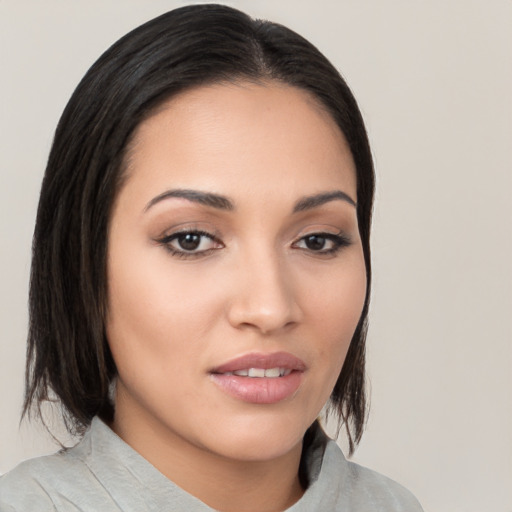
(261, 372)
(256, 372)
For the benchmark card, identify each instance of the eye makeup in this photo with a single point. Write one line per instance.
(190, 243)
(322, 243)
(197, 243)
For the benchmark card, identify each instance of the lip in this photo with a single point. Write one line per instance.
(260, 390)
(265, 361)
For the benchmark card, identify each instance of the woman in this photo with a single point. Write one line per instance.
(201, 276)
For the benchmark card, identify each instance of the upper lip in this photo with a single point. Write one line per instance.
(264, 361)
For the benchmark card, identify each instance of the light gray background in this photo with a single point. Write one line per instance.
(434, 82)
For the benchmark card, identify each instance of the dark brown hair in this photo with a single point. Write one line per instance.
(68, 354)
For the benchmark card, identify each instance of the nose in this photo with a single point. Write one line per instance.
(264, 297)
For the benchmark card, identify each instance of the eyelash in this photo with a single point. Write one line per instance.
(180, 253)
(339, 242)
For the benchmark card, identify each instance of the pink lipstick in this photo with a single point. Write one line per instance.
(260, 378)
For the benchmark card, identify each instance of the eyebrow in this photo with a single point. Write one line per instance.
(310, 202)
(204, 198)
(223, 203)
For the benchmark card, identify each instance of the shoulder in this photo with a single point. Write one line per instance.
(29, 486)
(338, 484)
(50, 483)
(362, 489)
(384, 493)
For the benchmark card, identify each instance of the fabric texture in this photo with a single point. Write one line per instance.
(102, 473)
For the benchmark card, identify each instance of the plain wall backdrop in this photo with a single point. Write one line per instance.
(434, 82)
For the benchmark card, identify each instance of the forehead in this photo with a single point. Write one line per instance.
(225, 135)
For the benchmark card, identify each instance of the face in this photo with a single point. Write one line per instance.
(235, 271)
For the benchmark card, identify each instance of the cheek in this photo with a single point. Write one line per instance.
(148, 290)
(336, 302)
(335, 309)
(153, 313)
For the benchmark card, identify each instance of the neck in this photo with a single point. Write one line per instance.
(224, 484)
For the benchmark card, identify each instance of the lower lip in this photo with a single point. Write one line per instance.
(259, 390)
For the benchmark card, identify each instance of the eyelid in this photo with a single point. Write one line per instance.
(168, 238)
(193, 226)
(340, 240)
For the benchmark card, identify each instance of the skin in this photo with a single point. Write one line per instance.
(256, 286)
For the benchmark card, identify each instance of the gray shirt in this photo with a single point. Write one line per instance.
(102, 473)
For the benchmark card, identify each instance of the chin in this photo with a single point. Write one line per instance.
(257, 439)
(258, 448)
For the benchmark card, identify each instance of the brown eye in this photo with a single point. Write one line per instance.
(322, 243)
(189, 241)
(315, 242)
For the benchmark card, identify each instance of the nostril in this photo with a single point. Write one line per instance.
(264, 322)
(264, 297)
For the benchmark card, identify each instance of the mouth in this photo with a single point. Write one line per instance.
(260, 378)
(260, 373)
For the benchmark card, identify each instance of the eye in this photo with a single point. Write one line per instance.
(190, 243)
(322, 243)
